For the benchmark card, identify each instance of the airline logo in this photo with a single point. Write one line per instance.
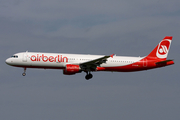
(58, 58)
(163, 48)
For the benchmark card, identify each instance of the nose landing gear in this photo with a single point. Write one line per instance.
(24, 73)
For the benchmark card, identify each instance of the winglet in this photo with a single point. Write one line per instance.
(112, 55)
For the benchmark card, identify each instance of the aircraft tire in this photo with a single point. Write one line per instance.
(24, 74)
(88, 76)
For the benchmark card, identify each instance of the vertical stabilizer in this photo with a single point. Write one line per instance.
(162, 49)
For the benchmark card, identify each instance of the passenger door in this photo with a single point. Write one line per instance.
(24, 57)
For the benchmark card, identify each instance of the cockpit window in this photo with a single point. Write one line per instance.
(14, 56)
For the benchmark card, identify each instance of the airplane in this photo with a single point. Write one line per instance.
(76, 63)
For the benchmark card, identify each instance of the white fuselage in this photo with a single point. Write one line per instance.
(59, 60)
(75, 63)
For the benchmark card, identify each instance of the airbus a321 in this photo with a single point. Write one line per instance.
(76, 63)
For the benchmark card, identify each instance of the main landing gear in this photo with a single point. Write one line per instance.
(88, 76)
(24, 73)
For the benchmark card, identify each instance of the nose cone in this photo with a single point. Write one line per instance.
(8, 61)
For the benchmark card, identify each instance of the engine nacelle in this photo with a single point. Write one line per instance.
(71, 69)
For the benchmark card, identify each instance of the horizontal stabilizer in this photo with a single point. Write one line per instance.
(165, 61)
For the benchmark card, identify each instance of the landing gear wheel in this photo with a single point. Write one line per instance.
(88, 76)
(24, 74)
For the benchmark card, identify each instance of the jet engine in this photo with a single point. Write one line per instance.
(71, 69)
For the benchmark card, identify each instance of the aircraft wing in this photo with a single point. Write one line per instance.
(91, 65)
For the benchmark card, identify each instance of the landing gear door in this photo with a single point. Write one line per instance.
(24, 57)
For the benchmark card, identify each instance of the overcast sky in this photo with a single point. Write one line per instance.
(122, 27)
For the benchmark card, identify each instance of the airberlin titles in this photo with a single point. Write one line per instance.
(58, 58)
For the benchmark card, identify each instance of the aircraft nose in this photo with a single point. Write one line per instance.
(8, 61)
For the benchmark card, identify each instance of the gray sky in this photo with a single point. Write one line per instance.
(123, 27)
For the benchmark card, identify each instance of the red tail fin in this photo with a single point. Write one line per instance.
(162, 49)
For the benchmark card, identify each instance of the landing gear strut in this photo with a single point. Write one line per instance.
(88, 76)
(24, 73)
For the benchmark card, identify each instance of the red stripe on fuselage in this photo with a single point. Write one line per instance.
(138, 66)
